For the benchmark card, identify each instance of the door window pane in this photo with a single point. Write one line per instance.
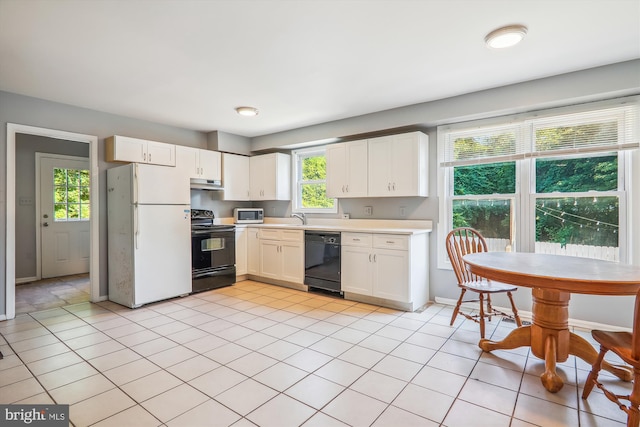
(71, 194)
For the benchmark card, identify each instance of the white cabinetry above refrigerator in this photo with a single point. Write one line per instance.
(126, 149)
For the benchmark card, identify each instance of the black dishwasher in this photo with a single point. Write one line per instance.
(322, 260)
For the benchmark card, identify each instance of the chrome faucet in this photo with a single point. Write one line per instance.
(301, 217)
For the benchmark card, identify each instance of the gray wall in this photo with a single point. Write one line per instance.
(40, 113)
(26, 148)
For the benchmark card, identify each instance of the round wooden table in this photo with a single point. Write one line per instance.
(553, 278)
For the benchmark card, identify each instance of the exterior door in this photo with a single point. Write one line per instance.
(64, 215)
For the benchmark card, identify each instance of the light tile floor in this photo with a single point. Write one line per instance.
(50, 293)
(256, 354)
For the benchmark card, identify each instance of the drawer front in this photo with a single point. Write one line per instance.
(292, 235)
(391, 241)
(356, 239)
(270, 234)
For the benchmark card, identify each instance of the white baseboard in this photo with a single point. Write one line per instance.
(25, 280)
(527, 315)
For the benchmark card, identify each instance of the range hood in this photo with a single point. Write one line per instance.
(206, 184)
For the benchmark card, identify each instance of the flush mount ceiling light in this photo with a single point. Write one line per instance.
(506, 36)
(247, 111)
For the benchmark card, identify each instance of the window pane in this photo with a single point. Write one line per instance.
(575, 175)
(492, 218)
(59, 176)
(554, 138)
(73, 195)
(73, 177)
(580, 226)
(85, 212)
(314, 168)
(492, 178)
(483, 146)
(60, 212)
(84, 178)
(60, 194)
(84, 194)
(315, 196)
(74, 211)
(68, 189)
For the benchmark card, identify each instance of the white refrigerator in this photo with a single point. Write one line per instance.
(149, 234)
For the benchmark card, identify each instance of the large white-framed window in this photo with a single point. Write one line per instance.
(310, 182)
(556, 182)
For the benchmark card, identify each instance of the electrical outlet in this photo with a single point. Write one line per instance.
(403, 211)
(368, 210)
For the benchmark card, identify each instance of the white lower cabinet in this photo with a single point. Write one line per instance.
(253, 251)
(386, 266)
(241, 250)
(282, 255)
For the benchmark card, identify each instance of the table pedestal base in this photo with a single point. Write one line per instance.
(550, 339)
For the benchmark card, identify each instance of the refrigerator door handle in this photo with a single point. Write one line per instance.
(136, 230)
(136, 184)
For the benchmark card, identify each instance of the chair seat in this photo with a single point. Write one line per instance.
(488, 286)
(619, 343)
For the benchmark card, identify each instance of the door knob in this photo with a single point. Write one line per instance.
(45, 224)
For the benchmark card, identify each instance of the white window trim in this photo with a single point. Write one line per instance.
(296, 184)
(628, 164)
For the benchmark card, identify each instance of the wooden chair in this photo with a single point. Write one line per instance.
(627, 346)
(462, 241)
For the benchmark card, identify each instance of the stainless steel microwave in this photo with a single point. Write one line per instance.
(248, 215)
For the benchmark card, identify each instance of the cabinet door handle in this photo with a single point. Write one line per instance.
(394, 186)
(347, 188)
(369, 257)
(149, 156)
(388, 186)
(375, 257)
(390, 242)
(356, 240)
(343, 188)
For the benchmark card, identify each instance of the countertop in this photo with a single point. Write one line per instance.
(408, 227)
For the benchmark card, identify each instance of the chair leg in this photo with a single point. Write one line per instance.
(593, 375)
(481, 315)
(633, 417)
(457, 309)
(514, 310)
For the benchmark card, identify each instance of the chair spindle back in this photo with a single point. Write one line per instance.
(460, 242)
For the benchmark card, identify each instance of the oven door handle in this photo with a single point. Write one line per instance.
(199, 232)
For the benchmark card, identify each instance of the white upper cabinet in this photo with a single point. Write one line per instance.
(197, 163)
(347, 169)
(398, 165)
(235, 177)
(210, 164)
(270, 177)
(134, 150)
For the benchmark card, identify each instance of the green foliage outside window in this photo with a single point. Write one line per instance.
(313, 183)
(71, 194)
(577, 220)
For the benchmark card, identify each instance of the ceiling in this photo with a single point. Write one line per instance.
(188, 63)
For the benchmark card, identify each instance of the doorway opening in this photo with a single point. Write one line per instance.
(66, 282)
